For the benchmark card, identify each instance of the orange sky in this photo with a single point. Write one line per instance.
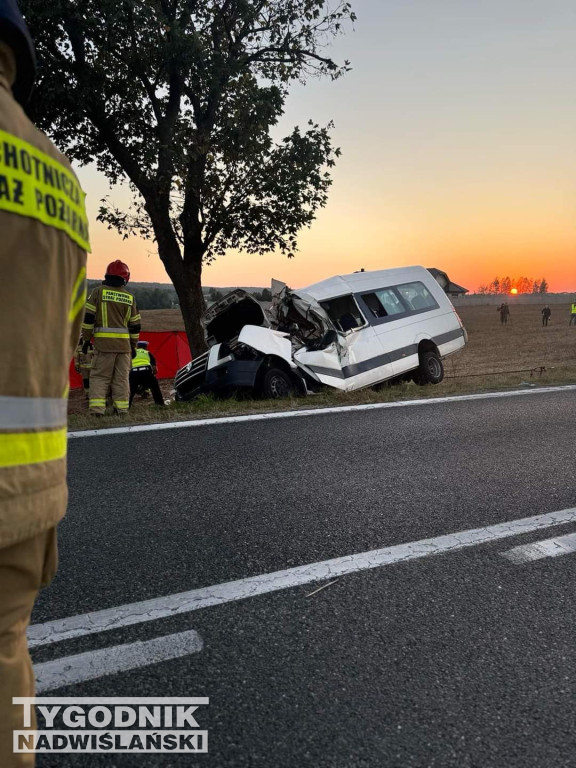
(458, 134)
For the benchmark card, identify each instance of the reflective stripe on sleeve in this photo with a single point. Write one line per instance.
(32, 447)
(78, 295)
(32, 412)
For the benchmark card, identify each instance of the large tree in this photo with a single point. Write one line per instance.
(178, 97)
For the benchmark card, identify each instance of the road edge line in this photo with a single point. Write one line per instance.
(310, 412)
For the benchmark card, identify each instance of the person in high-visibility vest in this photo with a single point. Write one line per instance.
(112, 318)
(43, 266)
(572, 314)
(143, 374)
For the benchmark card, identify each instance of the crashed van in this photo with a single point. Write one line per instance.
(347, 332)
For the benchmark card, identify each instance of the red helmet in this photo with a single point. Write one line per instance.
(119, 269)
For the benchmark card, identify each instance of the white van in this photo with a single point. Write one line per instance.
(348, 332)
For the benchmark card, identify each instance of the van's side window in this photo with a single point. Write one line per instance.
(344, 313)
(386, 304)
(383, 303)
(417, 296)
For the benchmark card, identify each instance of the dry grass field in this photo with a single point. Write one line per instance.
(522, 343)
(519, 354)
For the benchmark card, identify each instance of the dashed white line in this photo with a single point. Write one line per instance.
(186, 602)
(314, 412)
(70, 670)
(562, 545)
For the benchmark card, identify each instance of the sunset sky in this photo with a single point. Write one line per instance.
(457, 127)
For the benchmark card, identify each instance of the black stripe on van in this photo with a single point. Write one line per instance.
(375, 362)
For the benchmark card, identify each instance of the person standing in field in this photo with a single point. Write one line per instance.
(573, 314)
(42, 292)
(504, 310)
(112, 317)
(546, 314)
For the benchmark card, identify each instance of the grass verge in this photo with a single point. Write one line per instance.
(206, 406)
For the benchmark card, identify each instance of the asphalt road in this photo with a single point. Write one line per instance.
(457, 659)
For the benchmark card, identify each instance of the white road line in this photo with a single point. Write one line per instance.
(313, 412)
(186, 602)
(70, 670)
(563, 545)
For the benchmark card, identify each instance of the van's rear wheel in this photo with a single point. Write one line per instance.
(276, 383)
(430, 369)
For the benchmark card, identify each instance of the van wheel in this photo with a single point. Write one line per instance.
(430, 370)
(276, 383)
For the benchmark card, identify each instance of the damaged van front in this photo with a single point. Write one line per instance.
(245, 353)
(347, 332)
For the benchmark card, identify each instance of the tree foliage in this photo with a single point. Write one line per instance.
(178, 97)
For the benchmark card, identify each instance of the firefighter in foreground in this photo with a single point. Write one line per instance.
(112, 319)
(143, 374)
(43, 268)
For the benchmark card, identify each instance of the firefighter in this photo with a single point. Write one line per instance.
(43, 266)
(83, 363)
(112, 318)
(143, 374)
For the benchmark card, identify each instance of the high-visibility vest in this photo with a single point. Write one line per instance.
(142, 359)
(574, 309)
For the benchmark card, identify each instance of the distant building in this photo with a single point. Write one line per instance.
(450, 289)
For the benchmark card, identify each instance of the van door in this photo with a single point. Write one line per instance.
(399, 314)
(356, 360)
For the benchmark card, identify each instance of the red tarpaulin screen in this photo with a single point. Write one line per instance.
(170, 348)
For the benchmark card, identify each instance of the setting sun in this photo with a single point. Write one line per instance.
(513, 290)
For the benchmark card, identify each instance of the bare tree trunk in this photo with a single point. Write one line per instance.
(186, 275)
(189, 290)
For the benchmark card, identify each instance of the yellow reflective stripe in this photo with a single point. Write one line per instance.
(90, 307)
(136, 319)
(87, 326)
(104, 335)
(97, 403)
(35, 185)
(78, 295)
(17, 449)
(121, 404)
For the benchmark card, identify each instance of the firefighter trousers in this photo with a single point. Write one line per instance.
(25, 567)
(109, 373)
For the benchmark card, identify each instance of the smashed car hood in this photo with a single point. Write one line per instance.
(224, 320)
(298, 314)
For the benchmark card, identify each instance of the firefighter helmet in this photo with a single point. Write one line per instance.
(14, 32)
(118, 268)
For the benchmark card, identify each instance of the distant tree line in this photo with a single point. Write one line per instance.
(521, 284)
